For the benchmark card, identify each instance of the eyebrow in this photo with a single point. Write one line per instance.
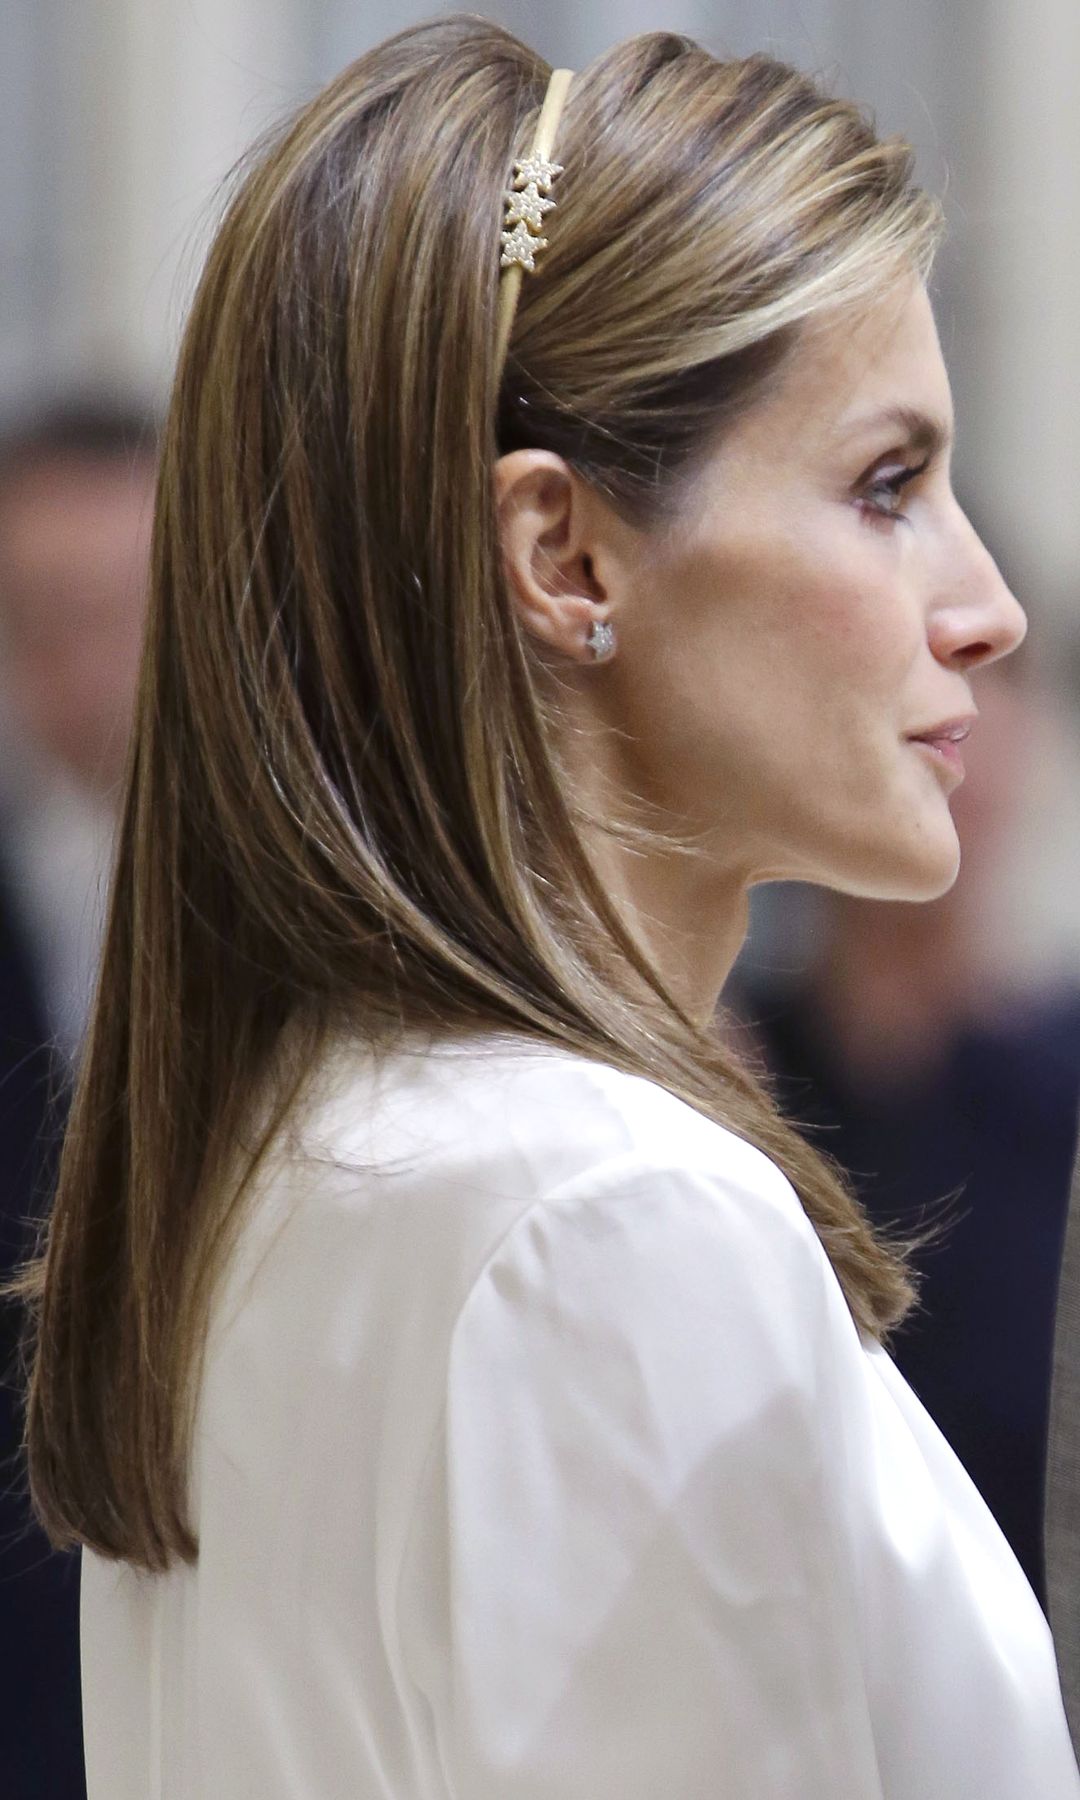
(922, 431)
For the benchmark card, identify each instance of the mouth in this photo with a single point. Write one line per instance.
(942, 743)
(943, 752)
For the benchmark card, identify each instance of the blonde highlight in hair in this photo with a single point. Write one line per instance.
(345, 808)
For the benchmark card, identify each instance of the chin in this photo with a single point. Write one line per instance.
(934, 887)
(928, 875)
(913, 872)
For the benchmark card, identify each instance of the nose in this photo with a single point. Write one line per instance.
(978, 618)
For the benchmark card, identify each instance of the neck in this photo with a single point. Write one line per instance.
(690, 919)
(687, 910)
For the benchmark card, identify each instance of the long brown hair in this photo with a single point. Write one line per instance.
(345, 807)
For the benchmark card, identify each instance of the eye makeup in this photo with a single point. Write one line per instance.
(882, 493)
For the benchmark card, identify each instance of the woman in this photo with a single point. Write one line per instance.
(461, 1379)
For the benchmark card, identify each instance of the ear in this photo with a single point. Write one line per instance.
(546, 523)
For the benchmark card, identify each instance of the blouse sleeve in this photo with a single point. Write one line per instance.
(671, 1493)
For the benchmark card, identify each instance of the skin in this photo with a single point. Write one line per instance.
(776, 643)
(74, 550)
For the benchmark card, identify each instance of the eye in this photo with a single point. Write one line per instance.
(883, 494)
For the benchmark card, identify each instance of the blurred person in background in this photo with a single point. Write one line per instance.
(76, 501)
(947, 1086)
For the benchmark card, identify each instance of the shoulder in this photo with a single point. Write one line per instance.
(602, 1191)
(679, 1248)
(555, 1126)
(499, 1171)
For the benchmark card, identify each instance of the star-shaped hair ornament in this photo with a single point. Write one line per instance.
(520, 246)
(527, 207)
(526, 203)
(536, 171)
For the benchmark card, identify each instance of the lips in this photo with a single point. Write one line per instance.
(950, 731)
(944, 740)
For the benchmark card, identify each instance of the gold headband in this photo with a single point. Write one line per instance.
(526, 204)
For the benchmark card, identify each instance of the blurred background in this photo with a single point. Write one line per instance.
(936, 1049)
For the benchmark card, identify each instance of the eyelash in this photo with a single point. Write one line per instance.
(892, 485)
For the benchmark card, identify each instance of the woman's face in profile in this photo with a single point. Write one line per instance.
(819, 601)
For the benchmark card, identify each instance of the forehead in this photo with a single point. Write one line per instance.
(858, 375)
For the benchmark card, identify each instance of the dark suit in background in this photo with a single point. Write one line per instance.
(40, 1707)
(1063, 1472)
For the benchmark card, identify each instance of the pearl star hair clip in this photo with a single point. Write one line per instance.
(526, 204)
(527, 201)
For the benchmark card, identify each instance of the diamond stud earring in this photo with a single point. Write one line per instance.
(601, 639)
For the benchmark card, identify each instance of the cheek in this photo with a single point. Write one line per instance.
(840, 623)
(809, 616)
(762, 652)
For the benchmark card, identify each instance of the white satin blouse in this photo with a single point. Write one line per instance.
(538, 1458)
